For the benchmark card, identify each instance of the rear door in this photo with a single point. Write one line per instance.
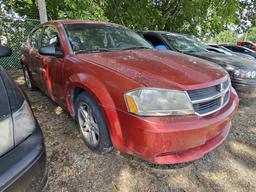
(35, 59)
(52, 67)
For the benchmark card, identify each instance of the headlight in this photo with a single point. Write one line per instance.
(23, 122)
(245, 73)
(17, 128)
(6, 135)
(158, 102)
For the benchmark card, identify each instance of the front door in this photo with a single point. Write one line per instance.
(52, 67)
(35, 59)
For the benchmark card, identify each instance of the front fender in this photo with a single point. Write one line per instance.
(98, 90)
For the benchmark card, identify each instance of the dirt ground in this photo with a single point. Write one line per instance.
(73, 167)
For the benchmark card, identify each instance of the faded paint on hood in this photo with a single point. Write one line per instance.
(159, 68)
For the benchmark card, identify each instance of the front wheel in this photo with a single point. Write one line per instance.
(92, 124)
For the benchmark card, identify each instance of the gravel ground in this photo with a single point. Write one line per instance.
(73, 167)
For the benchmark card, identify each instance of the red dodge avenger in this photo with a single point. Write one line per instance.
(162, 106)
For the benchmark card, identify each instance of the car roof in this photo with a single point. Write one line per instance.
(246, 42)
(160, 32)
(230, 45)
(76, 22)
(166, 33)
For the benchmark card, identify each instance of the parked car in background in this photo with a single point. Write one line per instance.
(218, 50)
(240, 49)
(164, 107)
(242, 71)
(22, 150)
(248, 44)
(232, 52)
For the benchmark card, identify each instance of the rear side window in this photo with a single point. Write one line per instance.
(232, 48)
(154, 40)
(238, 49)
(248, 45)
(35, 38)
(50, 38)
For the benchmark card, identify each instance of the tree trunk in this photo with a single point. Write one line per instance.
(42, 11)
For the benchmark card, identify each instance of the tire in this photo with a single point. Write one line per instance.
(92, 124)
(29, 82)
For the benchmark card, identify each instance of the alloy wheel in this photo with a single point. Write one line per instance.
(88, 124)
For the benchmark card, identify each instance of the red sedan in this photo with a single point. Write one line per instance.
(162, 106)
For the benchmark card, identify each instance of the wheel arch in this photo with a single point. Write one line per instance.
(79, 83)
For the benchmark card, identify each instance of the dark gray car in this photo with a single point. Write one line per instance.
(240, 49)
(22, 149)
(242, 55)
(242, 71)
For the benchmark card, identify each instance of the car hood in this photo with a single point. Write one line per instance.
(163, 69)
(225, 60)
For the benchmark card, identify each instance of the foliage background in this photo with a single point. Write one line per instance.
(203, 18)
(211, 20)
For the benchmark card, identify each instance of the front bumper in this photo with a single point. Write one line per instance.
(171, 140)
(24, 167)
(245, 88)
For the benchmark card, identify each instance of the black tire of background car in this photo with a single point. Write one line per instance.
(32, 87)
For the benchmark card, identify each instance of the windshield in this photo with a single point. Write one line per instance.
(184, 43)
(103, 37)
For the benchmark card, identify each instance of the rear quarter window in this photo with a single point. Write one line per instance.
(154, 40)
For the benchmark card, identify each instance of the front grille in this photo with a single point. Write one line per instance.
(209, 100)
(199, 94)
(207, 107)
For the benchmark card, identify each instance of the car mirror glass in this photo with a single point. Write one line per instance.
(50, 51)
(5, 51)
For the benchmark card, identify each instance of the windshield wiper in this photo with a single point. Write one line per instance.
(93, 50)
(138, 47)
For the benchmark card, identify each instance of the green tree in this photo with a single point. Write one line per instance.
(227, 36)
(251, 34)
(247, 14)
(58, 9)
(196, 17)
(83, 9)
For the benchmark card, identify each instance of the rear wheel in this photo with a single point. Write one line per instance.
(28, 81)
(92, 124)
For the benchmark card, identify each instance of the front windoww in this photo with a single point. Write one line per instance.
(105, 37)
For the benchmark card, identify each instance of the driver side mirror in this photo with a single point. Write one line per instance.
(51, 51)
(5, 51)
(161, 47)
